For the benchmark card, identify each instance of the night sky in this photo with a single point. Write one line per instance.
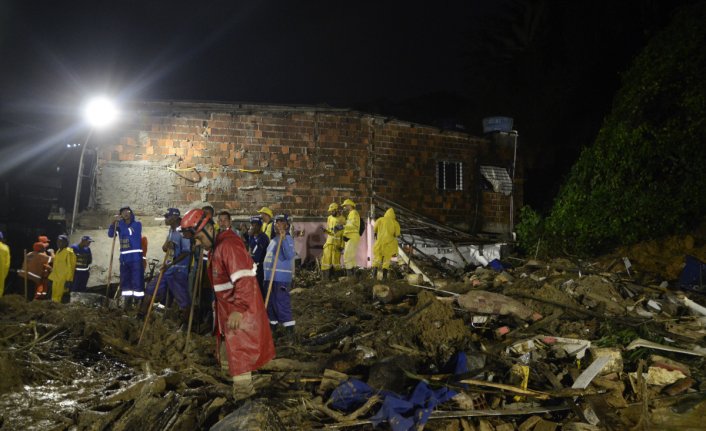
(552, 65)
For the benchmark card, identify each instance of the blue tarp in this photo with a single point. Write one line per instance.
(496, 265)
(693, 276)
(402, 413)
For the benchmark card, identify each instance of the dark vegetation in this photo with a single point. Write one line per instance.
(643, 178)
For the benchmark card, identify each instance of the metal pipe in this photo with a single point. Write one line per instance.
(512, 194)
(79, 177)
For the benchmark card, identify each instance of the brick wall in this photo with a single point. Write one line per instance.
(405, 161)
(298, 160)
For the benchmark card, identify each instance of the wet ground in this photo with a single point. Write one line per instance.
(78, 366)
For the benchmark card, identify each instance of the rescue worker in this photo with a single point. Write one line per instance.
(351, 235)
(279, 307)
(175, 272)
(36, 270)
(258, 250)
(132, 276)
(84, 259)
(243, 231)
(63, 269)
(4, 263)
(387, 230)
(331, 259)
(225, 221)
(267, 216)
(240, 312)
(45, 241)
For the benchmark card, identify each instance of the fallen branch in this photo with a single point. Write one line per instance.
(387, 294)
(513, 389)
(37, 340)
(117, 343)
(570, 307)
(284, 364)
(407, 350)
(413, 266)
(465, 414)
(317, 404)
(209, 391)
(330, 336)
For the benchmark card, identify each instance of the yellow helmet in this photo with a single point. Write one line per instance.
(265, 210)
(333, 207)
(348, 202)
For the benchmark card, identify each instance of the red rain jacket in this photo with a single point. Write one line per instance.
(233, 279)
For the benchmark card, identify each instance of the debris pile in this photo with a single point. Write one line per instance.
(541, 346)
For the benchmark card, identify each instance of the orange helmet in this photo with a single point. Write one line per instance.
(195, 220)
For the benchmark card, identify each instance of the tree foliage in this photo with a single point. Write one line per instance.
(645, 175)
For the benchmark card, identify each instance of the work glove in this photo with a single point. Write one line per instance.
(234, 320)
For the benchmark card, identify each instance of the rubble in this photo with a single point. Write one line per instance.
(559, 344)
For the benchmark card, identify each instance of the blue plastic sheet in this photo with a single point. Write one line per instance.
(402, 413)
(350, 395)
(407, 413)
(693, 276)
(496, 265)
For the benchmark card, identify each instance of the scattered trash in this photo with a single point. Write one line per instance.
(539, 345)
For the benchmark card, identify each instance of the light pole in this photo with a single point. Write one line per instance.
(99, 113)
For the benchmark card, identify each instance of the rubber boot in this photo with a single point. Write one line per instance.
(350, 273)
(384, 274)
(243, 387)
(184, 319)
(142, 311)
(291, 334)
(375, 273)
(223, 356)
(326, 275)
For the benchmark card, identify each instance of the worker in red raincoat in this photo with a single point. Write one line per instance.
(241, 319)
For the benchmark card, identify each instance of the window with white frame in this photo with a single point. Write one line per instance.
(449, 175)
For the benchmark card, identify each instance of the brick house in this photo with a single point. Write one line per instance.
(296, 160)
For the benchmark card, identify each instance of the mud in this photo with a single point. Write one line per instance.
(663, 258)
(79, 367)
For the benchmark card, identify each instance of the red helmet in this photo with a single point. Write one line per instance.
(194, 221)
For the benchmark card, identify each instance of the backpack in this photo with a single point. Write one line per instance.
(361, 229)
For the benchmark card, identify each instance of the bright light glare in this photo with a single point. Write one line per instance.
(100, 112)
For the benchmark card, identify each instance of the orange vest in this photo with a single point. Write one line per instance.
(37, 267)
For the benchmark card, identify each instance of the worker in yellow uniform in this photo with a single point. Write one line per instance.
(351, 235)
(64, 268)
(267, 216)
(331, 260)
(387, 229)
(4, 262)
